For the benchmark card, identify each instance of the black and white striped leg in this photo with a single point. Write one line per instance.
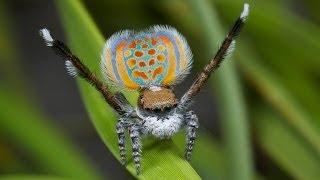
(192, 125)
(136, 146)
(120, 129)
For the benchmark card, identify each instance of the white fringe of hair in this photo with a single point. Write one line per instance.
(245, 12)
(45, 34)
(231, 48)
(72, 71)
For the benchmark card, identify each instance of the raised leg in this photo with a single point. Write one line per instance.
(192, 125)
(120, 129)
(136, 146)
(76, 67)
(225, 49)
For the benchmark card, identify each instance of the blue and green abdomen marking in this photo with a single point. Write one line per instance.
(153, 58)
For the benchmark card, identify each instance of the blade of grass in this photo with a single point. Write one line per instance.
(293, 62)
(285, 146)
(234, 118)
(22, 123)
(207, 157)
(30, 177)
(304, 89)
(277, 95)
(272, 26)
(161, 160)
(267, 83)
(9, 162)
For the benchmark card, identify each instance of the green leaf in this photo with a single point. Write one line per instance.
(207, 157)
(285, 146)
(271, 28)
(278, 96)
(30, 177)
(50, 150)
(233, 109)
(295, 64)
(25, 127)
(161, 159)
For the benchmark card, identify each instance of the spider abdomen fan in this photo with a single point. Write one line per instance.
(159, 56)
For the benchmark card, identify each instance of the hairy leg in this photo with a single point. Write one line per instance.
(120, 129)
(226, 48)
(192, 125)
(136, 146)
(76, 67)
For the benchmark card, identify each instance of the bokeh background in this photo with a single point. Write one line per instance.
(259, 114)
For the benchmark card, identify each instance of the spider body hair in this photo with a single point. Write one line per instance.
(162, 125)
(158, 112)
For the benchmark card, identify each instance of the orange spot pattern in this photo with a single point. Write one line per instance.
(151, 52)
(151, 62)
(146, 58)
(132, 63)
(157, 56)
(138, 53)
(161, 57)
(140, 74)
(132, 45)
(153, 41)
(142, 64)
(157, 71)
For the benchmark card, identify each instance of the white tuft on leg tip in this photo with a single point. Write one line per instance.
(245, 11)
(72, 71)
(45, 34)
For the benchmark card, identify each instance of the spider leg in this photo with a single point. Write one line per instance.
(120, 129)
(76, 67)
(192, 125)
(136, 146)
(226, 48)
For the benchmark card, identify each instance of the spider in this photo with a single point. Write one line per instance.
(152, 62)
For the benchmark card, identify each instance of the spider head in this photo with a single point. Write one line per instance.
(157, 99)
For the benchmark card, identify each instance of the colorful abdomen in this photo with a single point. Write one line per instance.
(157, 57)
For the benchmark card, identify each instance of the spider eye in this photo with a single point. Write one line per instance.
(167, 108)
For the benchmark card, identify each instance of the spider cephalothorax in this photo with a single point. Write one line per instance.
(157, 99)
(152, 62)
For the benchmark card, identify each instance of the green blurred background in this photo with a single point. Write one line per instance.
(259, 115)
